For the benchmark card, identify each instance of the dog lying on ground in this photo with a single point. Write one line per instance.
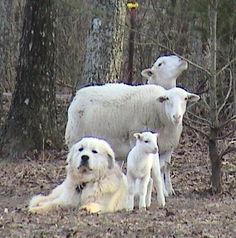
(94, 181)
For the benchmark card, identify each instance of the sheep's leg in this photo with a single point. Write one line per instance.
(143, 186)
(149, 192)
(163, 181)
(165, 159)
(157, 180)
(169, 187)
(131, 188)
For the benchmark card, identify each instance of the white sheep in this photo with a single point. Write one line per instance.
(139, 165)
(165, 71)
(114, 112)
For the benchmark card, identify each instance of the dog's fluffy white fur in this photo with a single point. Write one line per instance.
(94, 181)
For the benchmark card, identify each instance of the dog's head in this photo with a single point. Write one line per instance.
(90, 158)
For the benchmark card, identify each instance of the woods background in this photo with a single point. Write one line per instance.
(104, 41)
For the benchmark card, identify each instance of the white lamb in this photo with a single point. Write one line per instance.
(114, 112)
(140, 162)
(165, 71)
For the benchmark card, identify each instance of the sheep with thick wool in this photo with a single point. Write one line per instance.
(114, 112)
(140, 162)
(165, 71)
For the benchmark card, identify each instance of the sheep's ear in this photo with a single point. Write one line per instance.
(138, 136)
(193, 97)
(157, 134)
(162, 99)
(147, 73)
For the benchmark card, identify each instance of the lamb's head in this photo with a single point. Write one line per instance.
(174, 102)
(147, 142)
(165, 71)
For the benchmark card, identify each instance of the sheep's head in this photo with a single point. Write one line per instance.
(165, 71)
(175, 101)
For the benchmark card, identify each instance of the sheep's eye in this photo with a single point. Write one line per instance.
(146, 141)
(186, 99)
(80, 149)
(94, 151)
(159, 64)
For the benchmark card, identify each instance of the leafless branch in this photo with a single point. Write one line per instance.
(227, 122)
(171, 50)
(196, 129)
(200, 118)
(226, 135)
(205, 102)
(228, 93)
(223, 68)
(228, 150)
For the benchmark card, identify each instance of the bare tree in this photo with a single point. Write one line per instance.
(218, 121)
(31, 123)
(104, 43)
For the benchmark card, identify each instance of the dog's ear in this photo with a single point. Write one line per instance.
(111, 158)
(70, 155)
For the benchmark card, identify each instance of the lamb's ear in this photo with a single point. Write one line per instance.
(138, 136)
(147, 73)
(162, 99)
(193, 97)
(111, 159)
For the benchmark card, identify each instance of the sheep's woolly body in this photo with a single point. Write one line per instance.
(129, 109)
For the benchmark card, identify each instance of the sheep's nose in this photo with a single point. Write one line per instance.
(85, 158)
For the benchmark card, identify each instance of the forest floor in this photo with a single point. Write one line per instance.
(193, 212)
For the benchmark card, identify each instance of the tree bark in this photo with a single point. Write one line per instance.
(31, 123)
(216, 174)
(104, 47)
(216, 177)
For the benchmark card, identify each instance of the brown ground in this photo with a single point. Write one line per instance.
(193, 212)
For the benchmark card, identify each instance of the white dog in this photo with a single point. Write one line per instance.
(94, 181)
(141, 160)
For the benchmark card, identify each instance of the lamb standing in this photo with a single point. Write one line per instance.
(103, 111)
(139, 165)
(165, 71)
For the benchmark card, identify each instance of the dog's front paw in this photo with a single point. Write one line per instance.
(92, 208)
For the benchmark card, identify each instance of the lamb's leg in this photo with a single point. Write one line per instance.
(143, 186)
(149, 192)
(131, 188)
(157, 180)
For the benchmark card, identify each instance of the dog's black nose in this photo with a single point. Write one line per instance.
(84, 158)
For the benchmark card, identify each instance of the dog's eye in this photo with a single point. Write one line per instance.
(146, 141)
(94, 151)
(80, 149)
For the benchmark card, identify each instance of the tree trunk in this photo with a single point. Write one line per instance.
(213, 152)
(216, 176)
(31, 123)
(104, 50)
